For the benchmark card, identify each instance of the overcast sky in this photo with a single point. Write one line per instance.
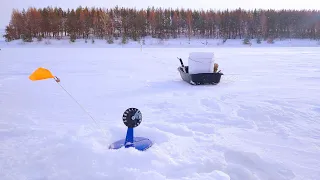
(6, 6)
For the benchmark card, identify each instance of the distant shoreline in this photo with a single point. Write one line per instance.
(150, 42)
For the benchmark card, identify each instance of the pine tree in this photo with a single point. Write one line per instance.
(162, 23)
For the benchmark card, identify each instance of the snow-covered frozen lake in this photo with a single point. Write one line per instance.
(262, 122)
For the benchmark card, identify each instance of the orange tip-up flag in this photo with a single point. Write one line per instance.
(40, 74)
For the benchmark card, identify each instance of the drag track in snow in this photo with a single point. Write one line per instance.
(261, 122)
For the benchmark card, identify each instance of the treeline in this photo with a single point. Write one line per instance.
(161, 23)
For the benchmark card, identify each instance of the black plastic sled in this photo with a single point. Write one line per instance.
(198, 79)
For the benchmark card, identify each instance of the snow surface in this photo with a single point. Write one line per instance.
(261, 122)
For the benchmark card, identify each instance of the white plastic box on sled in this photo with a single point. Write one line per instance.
(201, 62)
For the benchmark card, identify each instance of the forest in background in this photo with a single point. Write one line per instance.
(135, 24)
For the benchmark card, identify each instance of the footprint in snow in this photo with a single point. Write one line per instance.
(245, 165)
(210, 104)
